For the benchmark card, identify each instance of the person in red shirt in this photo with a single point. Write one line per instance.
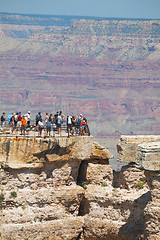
(82, 127)
(19, 123)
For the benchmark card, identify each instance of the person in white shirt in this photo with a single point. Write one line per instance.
(69, 124)
(28, 119)
(40, 128)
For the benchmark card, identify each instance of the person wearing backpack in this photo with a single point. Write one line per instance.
(38, 118)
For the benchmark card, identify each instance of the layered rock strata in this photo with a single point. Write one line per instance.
(127, 146)
(65, 189)
(146, 156)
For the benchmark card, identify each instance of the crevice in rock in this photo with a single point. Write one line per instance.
(82, 172)
(136, 218)
(84, 207)
(79, 236)
(115, 182)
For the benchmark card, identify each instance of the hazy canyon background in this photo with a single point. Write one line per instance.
(106, 69)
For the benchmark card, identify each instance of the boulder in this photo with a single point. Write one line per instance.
(127, 146)
(148, 156)
(99, 152)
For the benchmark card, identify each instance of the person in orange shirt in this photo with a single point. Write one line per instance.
(23, 126)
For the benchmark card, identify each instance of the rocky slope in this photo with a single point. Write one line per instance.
(65, 189)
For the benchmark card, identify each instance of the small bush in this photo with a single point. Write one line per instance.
(25, 238)
(40, 219)
(104, 184)
(1, 197)
(84, 184)
(13, 194)
(114, 189)
(102, 226)
(140, 184)
(23, 207)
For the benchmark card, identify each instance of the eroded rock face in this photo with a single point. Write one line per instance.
(127, 146)
(148, 156)
(27, 153)
(130, 177)
(71, 196)
(152, 209)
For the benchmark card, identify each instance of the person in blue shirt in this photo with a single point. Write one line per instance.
(9, 118)
(48, 128)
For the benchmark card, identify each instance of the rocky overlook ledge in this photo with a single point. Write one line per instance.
(64, 188)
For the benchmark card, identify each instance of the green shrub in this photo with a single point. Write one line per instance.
(13, 194)
(84, 184)
(102, 226)
(23, 207)
(114, 189)
(140, 184)
(1, 197)
(104, 184)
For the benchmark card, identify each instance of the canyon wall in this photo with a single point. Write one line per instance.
(107, 69)
(64, 188)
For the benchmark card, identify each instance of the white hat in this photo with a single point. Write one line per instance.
(28, 111)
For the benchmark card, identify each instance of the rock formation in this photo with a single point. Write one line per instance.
(64, 188)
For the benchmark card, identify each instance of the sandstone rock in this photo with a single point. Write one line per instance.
(66, 229)
(45, 202)
(127, 146)
(148, 156)
(152, 209)
(95, 172)
(96, 228)
(100, 153)
(114, 203)
(131, 177)
(33, 152)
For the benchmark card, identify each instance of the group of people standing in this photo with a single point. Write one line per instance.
(17, 121)
(75, 125)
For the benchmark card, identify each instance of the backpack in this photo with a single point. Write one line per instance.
(38, 117)
(48, 123)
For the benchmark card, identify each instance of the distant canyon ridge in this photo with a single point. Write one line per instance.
(106, 69)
